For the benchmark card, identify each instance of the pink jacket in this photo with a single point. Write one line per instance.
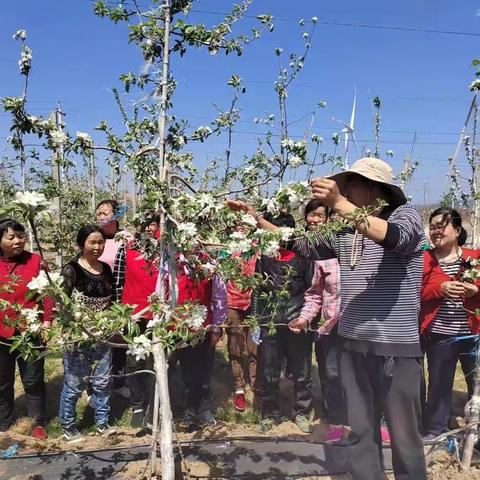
(323, 297)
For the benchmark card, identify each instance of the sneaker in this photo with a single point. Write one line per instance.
(239, 402)
(105, 430)
(72, 435)
(333, 434)
(191, 421)
(303, 423)
(385, 435)
(138, 418)
(207, 418)
(39, 433)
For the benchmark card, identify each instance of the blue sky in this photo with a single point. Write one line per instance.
(422, 78)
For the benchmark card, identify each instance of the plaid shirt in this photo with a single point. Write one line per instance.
(119, 267)
(324, 295)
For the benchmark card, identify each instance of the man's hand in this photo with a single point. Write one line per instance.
(453, 289)
(470, 289)
(298, 325)
(326, 191)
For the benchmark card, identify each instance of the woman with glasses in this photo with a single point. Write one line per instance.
(449, 301)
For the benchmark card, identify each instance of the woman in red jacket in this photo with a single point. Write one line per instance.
(447, 311)
(17, 268)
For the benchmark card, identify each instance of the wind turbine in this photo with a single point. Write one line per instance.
(349, 129)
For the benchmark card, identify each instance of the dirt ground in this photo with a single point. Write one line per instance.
(229, 423)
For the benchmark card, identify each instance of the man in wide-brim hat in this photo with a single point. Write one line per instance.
(381, 262)
(381, 269)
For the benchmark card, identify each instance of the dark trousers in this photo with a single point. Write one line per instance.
(374, 384)
(442, 357)
(119, 361)
(195, 364)
(141, 385)
(32, 376)
(297, 350)
(327, 353)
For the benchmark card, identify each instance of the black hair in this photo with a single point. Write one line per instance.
(113, 203)
(84, 233)
(148, 217)
(313, 204)
(12, 224)
(280, 220)
(449, 215)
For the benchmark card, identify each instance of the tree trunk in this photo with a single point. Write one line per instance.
(473, 415)
(162, 397)
(162, 400)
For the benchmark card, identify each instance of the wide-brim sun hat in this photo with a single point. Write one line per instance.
(376, 170)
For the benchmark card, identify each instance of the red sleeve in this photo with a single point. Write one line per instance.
(431, 283)
(48, 309)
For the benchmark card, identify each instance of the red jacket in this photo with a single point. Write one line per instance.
(196, 291)
(22, 269)
(140, 281)
(433, 277)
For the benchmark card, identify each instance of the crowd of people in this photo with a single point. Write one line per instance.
(372, 301)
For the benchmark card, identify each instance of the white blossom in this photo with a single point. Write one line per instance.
(271, 249)
(187, 229)
(84, 137)
(273, 206)
(389, 153)
(293, 199)
(40, 283)
(206, 202)
(201, 133)
(196, 317)
(295, 161)
(58, 137)
(209, 267)
(31, 316)
(156, 320)
(305, 35)
(239, 243)
(475, 85)
(237, 236)
(286, 233)
(20, 35)
(140, 347)
(314, 19)
(249, 220)
(31, 199)
(25, 62)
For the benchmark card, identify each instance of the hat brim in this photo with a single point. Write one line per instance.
(397, 194)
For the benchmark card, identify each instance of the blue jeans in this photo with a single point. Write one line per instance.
(78, 363)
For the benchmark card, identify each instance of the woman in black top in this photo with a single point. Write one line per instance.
(87, 281)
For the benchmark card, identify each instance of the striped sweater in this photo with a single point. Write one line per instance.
(380, 284)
